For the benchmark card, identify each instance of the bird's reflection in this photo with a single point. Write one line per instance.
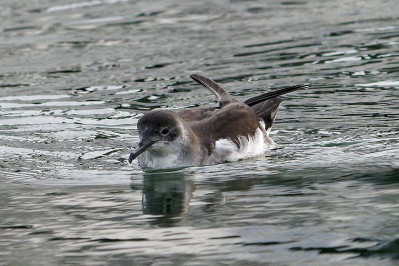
(166, 195)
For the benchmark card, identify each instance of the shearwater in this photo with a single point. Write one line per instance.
(202, 136)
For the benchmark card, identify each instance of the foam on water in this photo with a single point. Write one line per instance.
(387, 83)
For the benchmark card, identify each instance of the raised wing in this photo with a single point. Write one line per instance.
(264, 105)
(267, 104)
(223, 96)
(269, 95)
(267, 110)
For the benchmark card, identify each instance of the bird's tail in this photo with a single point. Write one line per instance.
(267, 104)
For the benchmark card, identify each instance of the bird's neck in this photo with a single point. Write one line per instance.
(185, 150)
(191, 146)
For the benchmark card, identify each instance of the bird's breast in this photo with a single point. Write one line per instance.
(182, 152)
(178, 153)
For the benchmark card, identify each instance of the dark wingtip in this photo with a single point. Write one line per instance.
(195, 77)
(269, 95)
(204, 81)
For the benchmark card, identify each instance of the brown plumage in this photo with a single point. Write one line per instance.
(208, 135)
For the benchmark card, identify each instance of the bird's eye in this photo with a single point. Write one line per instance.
(164, 131)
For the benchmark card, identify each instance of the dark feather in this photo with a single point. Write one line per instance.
(267, 104)
(267, 110)
(269, 95)
(264, 105)
(223, 96)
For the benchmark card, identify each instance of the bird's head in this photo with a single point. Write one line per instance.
(157, 126)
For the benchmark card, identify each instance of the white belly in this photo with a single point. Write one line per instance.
(170, 155)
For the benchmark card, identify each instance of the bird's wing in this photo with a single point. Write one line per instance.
(267, 104)
(232, 122)
(196, 114)
(264, 105)
(267, 110)
(223, 96)
(269, 95)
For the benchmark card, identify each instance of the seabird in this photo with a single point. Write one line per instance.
(205, 136)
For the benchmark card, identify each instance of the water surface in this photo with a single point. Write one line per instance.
(77, 75)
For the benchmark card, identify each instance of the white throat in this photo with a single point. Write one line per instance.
(177, 153)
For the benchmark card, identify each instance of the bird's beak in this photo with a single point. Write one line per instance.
(143, 146)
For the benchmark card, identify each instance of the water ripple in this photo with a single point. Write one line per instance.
(76, 76)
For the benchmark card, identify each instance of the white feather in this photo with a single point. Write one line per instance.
(226, 150)
(169, 154)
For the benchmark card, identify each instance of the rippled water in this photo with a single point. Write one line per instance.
(75, 76)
